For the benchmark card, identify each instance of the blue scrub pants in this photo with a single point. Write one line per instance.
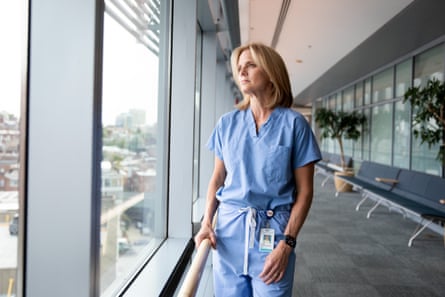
(237, 260)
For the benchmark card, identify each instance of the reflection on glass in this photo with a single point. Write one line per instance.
(427, 65)
(403, 77)
(367, 94)
(197, 117)
(10, 94)
(366, 135)
(132, 216)
(348, 99)
(359, 94)
(402, 132)
(381, 131)
(383, 85)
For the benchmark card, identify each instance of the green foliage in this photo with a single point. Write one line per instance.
(429, 119)
(338, 125)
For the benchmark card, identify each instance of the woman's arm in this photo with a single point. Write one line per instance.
(216, 181)
(276, 261)
(304, 180)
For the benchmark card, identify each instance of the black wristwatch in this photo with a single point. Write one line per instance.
(290, 241)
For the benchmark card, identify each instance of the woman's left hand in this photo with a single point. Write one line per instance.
(276, 263)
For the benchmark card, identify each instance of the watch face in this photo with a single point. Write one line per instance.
(291, 241)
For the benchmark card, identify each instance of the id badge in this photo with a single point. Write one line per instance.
(267, 239)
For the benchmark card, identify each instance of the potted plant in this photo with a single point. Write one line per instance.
(340, 125)
(428, 103)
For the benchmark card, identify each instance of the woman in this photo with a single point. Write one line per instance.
(262, 183)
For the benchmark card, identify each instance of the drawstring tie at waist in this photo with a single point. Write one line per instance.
(249, 234)
(250, 226)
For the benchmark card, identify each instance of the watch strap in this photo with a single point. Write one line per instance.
(290, 241)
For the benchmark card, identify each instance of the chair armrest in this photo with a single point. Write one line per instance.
(386, 180)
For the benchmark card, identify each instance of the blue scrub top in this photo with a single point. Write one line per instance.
(260, 165)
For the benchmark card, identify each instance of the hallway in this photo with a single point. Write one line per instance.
(340, 253)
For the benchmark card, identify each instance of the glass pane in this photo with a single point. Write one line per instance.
(428, 65)
(424, 158)
(383, 85)
(367, 95)
(348, 105)
(348, 99)
(332, 102)
(133, 219)
(358, 145)
(381, 131)
(359, 94)
(197, 118)
(403, 77)
(402, 133)
(11, 31)
(366, 134)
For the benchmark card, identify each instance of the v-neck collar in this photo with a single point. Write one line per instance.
(264, 127)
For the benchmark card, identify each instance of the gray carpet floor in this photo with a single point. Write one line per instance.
(342, 253)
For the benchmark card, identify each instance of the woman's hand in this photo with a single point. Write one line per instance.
(276, 263)
(206, 232)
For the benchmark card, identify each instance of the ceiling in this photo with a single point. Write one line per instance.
(315, 34)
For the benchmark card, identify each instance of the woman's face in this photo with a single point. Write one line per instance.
(252, 79)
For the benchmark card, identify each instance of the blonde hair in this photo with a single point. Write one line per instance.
(273, 65)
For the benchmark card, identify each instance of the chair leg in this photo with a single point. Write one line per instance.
(325, 180)
(365, 197)
(418, 230)
(373, 208)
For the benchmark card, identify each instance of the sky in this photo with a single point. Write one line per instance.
(130, 69)
(10, 56)
(129, 76)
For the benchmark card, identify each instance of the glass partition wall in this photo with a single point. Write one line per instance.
(388, 138)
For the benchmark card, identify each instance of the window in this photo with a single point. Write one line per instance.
(11, 25)
(348, 105)
(359, 94)
(402, 133)
(366, 134)
(329, 143)
(197, 114)
(403, 77)
(381, 134)
(383, 85)
(427, 65)
(133, 217)
(348, 99)
(367, 94)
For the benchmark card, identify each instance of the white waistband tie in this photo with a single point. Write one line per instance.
(249, 240)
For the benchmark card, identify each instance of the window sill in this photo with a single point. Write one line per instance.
(155, 275)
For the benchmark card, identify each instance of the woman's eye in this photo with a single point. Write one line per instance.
(248, 65)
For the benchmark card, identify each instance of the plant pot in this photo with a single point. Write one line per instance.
(341, 185)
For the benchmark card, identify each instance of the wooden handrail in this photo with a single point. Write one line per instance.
(193, 277)
(386, 180)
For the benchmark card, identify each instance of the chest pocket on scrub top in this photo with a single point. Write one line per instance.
(277, 164)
